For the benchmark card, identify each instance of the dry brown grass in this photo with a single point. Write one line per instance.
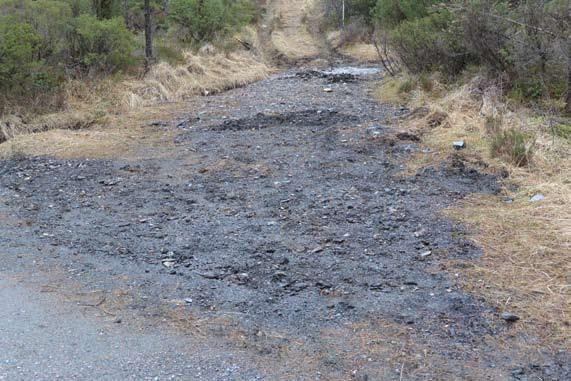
(389, 91)
(526, 266)
(290, 34)
(361, 52)
(201, 74)
(385, 350)
(12, 126)
(124, 135)
(116, 111)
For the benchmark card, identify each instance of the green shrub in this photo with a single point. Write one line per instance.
(427, 43)
(79, 7)
(513, 145)
(392, 12)
(526, 43)
(242, 12)
(202, 21)
(99, 45)
(135, 15)
(48, 19)
(19, 44)
(531, 89)
(26, 83)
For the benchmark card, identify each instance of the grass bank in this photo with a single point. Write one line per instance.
(525, 267)
(101, 115)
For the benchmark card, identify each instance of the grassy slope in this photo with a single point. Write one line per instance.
(525, 267)
(290, 30)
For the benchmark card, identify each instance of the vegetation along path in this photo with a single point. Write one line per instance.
(278, 238)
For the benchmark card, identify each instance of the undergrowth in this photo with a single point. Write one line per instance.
(513, 146)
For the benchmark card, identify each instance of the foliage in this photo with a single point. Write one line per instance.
(202, 20)
(19, 44)
(103, 9)
(134, 14)
(62, 41)
(47, 18)
(23, 74)
(45, 42)
(393, 12)
(525, 42)
(100, 45)
(79, 7)
(427, 43)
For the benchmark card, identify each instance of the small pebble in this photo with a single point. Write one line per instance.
(510, 317)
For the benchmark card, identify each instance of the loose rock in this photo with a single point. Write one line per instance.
(425, 254)
(509, 317)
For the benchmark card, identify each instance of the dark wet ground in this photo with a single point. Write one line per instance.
(283, 226)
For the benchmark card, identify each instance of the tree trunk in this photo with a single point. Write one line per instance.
(75, 8)
(568, 98)
(343, 16)
(103, 9)
(148, 35)
(126, 13)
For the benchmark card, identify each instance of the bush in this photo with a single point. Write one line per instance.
(31, 44)
(26, 83)
(426, 44)
(79, 7)
(18, 51)
(390, 13)
(99, 45)
(202, 21)
(512, 145)
(528, 41)
(483, 30)
(525, 42)
(48, 19)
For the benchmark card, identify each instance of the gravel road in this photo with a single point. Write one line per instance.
(278, 240)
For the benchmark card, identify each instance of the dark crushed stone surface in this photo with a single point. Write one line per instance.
(329, 77)
(280, 211)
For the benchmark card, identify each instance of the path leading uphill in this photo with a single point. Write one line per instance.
(277, 240)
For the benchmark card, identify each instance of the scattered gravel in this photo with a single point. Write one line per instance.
(282, 212)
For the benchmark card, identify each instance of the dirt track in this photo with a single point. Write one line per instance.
(278, 240)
